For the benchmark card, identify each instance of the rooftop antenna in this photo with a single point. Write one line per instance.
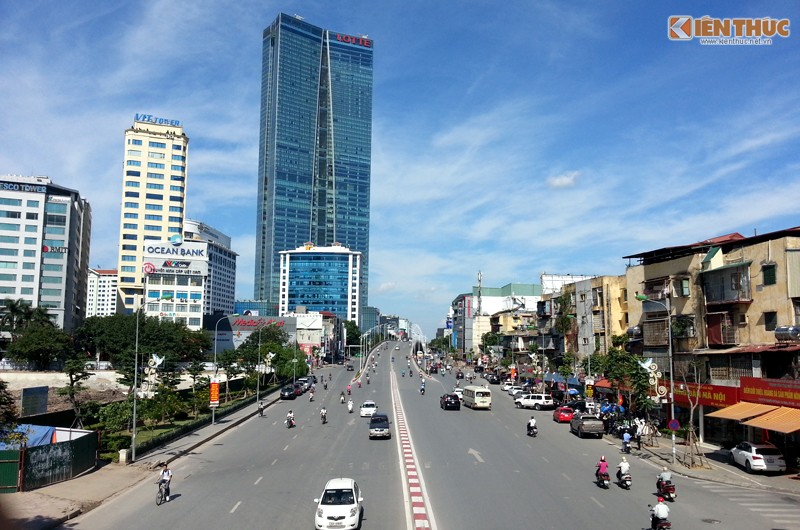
(480, 281)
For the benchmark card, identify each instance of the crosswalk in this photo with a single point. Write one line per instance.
(765, 503)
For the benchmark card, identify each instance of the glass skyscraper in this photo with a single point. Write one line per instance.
(314, 147)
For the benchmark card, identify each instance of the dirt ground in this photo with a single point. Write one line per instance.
(56, 402)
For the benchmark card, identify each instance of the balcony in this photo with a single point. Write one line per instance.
(728, 284)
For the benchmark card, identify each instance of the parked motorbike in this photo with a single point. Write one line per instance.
(625, 481)
(603, 480)
(667, 490)
(662, 524)
(533, 431)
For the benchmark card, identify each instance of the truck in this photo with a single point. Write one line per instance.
(583, 424)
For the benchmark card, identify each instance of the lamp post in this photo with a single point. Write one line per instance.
(668, 307)
(216, 368)
(135, 385)
(258, 364)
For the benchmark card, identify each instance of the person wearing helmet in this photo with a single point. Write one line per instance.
(665, 476)
(623, 468)
(658, 513)
(602, 467)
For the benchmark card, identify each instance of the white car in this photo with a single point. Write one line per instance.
(459, 392)
(758, 457)
(534, 401)
(513, 389)
(339, 506)
(368, 408)
(506, 386)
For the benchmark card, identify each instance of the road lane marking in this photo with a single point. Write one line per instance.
(476, 454)
(286, 448)
(235, 506)
(597, 502)
(545, 459)
(274, 462)
(565, 476)
(257, 481)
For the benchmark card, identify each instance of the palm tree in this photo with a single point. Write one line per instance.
(13, 313)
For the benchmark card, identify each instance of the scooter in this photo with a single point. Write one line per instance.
(325, 385)
(625, 481)
(533, 431)
(323, 418)
(350, 408)
(667, 490)
(289, 423)
(312, 396)
(663, 524)
(422, 390)
(603, 480)
(261, 410)
(626, 448)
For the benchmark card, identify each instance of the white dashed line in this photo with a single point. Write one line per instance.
(235, 506)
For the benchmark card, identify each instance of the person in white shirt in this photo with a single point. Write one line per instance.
(659, 512)
(623, 468)
(531, 424)
(165, 477)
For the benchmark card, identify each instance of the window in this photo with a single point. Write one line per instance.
(152, 217)
(133, 163)
(177, 177)
(10, 202)
(8, 277)
(131, 205)
(177, 168)
(28, 266)
(134, 152)
(194, 321)
(9, 252)
(51, 279)
(132, 194)
(33, 204)
(158, 145)
(155, 165)
(176, 209)
(153, 154)
(26, 290)
(7, 290)
(31, 240)
(52, 267)
(10, 215)
(174, 219)
(9, 226)
(50, 292)
(154, 196)
(31, 228)
(133, 141)
(174, 230)
(55, 207)
(128, 247)
(8, 264)
(770, 320)
(179, 158)
(126, 279)
(181, 308)
(159, 176)
(175, 198)
(128, 268)
(157, 207)
(176, 188)
(130, 226)
(13, 239)
(152, 228)
(176, 147)
(683, 287)
(736, 281)
(128, 258)
(770, 273)
(154, 186)
(130, 236)
(131, 215)
(132, 173)
(131, 184)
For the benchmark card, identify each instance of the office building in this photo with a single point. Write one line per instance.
(314, 164)
(321, 279)
(153, 193)
(101, 300)
(220, 285)
(45, 233)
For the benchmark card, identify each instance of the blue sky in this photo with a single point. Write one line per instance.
(512, 138)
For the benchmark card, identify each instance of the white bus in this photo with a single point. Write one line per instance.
(477, 397)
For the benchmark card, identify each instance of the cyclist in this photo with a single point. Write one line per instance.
(165, 477)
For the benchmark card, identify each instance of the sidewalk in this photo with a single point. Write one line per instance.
(52, 505)
(716, 469)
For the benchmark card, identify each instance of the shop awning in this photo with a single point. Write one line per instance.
(742, 410)
(782, 419)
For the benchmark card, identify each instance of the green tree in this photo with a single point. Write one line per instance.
(8, 416)
(117, 416)
(353, 333)
(40, 344)
(75, 369)
(228, 361)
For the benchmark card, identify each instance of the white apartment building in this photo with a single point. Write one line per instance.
(45, 233)
(101, 300)
(153, 195)
(220, 285)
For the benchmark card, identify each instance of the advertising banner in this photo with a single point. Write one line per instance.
(711, 395)
(781, 392)
(214, 394)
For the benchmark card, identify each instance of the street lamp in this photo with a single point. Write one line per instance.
(668, 307)
(216, 368)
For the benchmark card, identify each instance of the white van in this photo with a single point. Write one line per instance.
(477, 397)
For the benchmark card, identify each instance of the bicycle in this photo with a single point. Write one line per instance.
(161, 493)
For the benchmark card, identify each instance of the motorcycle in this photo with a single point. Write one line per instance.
(341, 399)
(603, 480)
(626, 447)
(662, 524)
(625, 481)
(350, 408)
(533, 431)
(312, 396)
(289, 423)
(367, 380)
(667, 490)
(325, 385)
(261, 409)
(323, 416)
(422, 390)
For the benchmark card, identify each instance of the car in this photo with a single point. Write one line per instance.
(493, 379)
(379, 426)
(350, 367)
(579, 406)
(450, 401)
(305, 381)
(340, 505)
(515, 392)
(459, 392)
(562, 414)
(368, 408)
(433, 370)
(287, 392)
(506, 385)
(510, 390)
(459, 375)
(298, 389)
(534, 401)
(758, 457)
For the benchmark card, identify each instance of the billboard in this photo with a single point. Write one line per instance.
(176, 257)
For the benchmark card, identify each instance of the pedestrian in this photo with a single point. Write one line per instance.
(639, 428)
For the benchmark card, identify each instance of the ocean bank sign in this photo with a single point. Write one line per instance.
(185, 258)
(149, 118)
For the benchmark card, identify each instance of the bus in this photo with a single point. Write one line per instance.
(477, 397)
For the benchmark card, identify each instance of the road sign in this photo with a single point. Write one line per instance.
(673, 425)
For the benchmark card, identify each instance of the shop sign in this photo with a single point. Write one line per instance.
(711, 395)
(781, 392)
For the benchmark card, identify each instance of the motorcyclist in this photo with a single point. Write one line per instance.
(260, 408)
(289, 418)
(531, 424)
(312, 395)
(626, 442)
(623, 468)
(341, 397)
(665, 476)
(359, 383)
(323, 414)
(367, 379)
(348, 389)
(402, 373)
(350, 405)
(325, 385)
(602, 467)
(658, 513)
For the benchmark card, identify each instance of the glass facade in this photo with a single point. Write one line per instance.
(320, 283)
(315, 146)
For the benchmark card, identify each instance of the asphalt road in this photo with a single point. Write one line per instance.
(479, 470)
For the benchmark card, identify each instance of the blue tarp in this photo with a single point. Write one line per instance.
(558, 378)
(37, 435)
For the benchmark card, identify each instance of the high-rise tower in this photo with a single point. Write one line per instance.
(314, 157)
(153, 193)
